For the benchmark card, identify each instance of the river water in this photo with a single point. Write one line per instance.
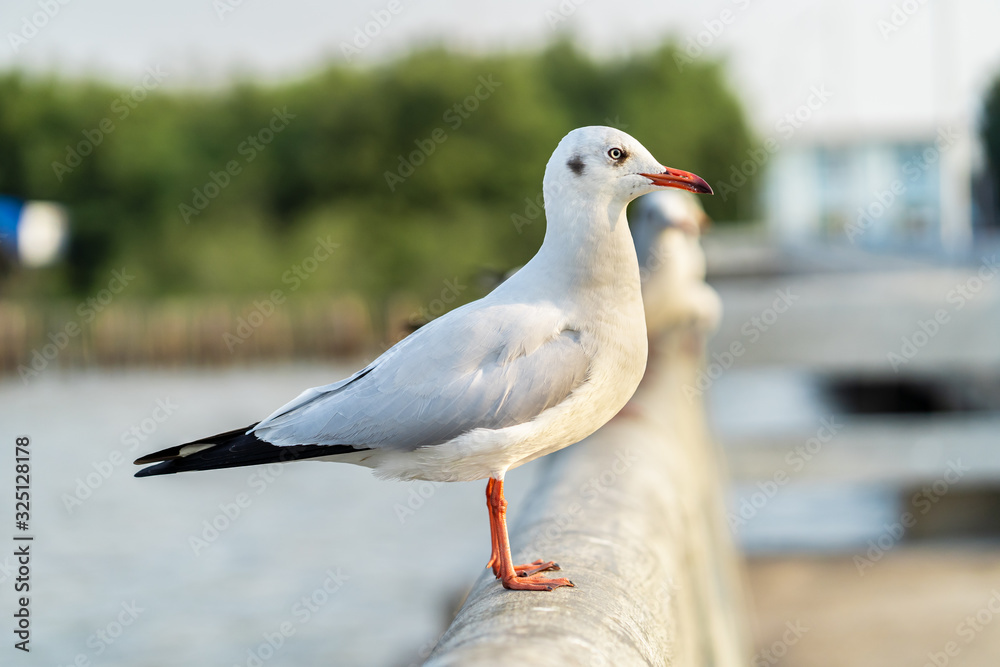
(314, 562)
(322, 564)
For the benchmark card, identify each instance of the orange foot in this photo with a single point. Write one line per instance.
(534, 568)
(524, 570)
(513, 577)
(533, 582)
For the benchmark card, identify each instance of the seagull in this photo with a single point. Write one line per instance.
(666, 228)
(540, 363)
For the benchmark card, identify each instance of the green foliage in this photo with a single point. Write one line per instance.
(326, 173)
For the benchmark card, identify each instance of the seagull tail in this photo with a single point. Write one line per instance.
(230, 450)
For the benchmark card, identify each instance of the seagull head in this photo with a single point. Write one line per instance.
(604, 163)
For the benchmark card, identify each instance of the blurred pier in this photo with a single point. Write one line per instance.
(900, 354)
(860, 424)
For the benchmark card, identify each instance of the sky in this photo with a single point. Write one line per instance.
(868, 66)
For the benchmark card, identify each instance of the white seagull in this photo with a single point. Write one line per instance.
(541, 362)
(666, 227)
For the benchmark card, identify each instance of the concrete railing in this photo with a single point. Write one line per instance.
(635, 517)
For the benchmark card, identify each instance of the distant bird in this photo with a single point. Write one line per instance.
(666, 227)
(540, 363)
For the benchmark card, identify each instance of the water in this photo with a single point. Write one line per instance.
(382, 565)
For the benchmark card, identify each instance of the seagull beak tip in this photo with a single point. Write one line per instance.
(682, 180)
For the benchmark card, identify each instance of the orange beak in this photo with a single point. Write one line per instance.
(683, 180)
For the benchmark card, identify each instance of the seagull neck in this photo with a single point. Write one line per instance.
(591, 245)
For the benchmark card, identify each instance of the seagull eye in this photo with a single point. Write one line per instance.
(616, 154)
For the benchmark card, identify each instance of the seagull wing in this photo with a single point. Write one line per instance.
(480, 366)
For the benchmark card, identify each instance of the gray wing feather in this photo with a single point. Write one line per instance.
(486, 367)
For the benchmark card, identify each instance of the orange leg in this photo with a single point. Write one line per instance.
(494, 551)
(521, 570)
(514, 577)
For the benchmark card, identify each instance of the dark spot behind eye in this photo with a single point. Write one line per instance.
(575, 164)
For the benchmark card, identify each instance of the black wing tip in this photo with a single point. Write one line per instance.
(153, 458)
(152, 470)
(172, 453)
(167, 468)
(232, 449)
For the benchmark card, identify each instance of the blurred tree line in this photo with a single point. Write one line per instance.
(422, 170)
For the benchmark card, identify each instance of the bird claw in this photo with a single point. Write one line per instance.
(513, 577)
(535, 567)
(524, 570)
(534, 583)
